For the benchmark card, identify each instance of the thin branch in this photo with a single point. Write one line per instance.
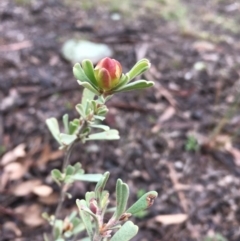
(65, 164)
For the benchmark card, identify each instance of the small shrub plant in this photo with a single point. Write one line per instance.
(100, 84)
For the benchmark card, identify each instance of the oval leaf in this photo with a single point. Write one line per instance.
(136, 85)
(126, 232)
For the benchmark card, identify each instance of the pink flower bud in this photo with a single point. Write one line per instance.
(108, 73)
(93, 205)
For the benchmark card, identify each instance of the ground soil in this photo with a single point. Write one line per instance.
(196, 66)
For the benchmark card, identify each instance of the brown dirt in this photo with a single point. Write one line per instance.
(154, 124)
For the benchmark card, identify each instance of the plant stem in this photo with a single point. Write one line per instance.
(66, 160)
(62, 192)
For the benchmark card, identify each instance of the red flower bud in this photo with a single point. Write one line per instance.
(107, 73)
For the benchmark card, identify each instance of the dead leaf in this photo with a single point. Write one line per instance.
(14, 154)
(49, 200)
(48, 155)
(161, 91)
(15, 170)
(26, 187)
(171, 218)
(3, 181)
(181, 195)
(167, 114)
(32, 215)
(42, 190)
(235, 153)
(12, 227)
(221, 142)
(13, 97)
(203, 46)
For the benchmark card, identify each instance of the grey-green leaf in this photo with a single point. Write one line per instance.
(103, 127)
(53, 126)
(66, 123)
(79, 74)
(122, 194)
(56, 175)
(85, 217)
(98, 117)
(143, 202)
(88, 86)
(136, 85)
(87, 95)
(101, 185)
(140, 67)
(87, 177)
(67, 139)
(58, 229)
(70, 170)
(126, 232)
(89, 196)
(106, 135)
(89, 71)
(80, 109)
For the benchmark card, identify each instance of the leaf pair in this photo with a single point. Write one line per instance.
(74, 173)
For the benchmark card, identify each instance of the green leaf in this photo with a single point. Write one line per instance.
(106, 135)
(66, 123)
(67, 139)
(53, 126)
(72, 216)
(140, 67)
(94, 105)
(143, 202)
(78, 228)
(103, 127)
(97, 117)
(89, 196)
(70, 170)
(87, 95)
(73, 126)
(86, 177)
(136, 85)
(89, 71)
(88, 86)
(77, 166)
(104, 200)
(56, 176)
(79, 74)
(122, 194)
(85, 216)
(80, 109)
(102, 111)
(126, 232)
(101, 185)
(58, 229)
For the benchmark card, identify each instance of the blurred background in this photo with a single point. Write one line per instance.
(180, 138)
